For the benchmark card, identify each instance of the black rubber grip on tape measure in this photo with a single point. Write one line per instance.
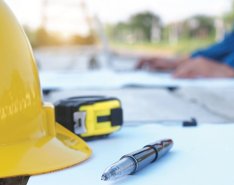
(115, 117)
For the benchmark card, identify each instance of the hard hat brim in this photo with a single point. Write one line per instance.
(47, 154)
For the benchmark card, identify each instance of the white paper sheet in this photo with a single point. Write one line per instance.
(201, 155)
(107, 79)
(149, 105)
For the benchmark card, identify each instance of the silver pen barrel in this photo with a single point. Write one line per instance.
(137, 160)
(162, 147)
(150, 153)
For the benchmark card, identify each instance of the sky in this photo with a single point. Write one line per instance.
(29, 12)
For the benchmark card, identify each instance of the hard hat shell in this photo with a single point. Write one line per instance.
(31, 142)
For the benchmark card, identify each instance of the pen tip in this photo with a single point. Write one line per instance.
(104, 177)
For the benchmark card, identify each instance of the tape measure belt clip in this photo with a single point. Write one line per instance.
(115, 117)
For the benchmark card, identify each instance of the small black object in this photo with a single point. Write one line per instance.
(191, 123)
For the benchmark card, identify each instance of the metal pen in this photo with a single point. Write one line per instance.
(135, 161)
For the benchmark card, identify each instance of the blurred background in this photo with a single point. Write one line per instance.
(91, 32)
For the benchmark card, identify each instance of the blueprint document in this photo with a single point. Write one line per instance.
(201, 155)
(107, 79)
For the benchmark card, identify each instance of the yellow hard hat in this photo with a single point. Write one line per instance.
(31, 142)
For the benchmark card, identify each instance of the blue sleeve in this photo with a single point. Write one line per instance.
(229, 60)
(218, 51)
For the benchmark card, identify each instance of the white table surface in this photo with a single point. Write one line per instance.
(218, 100)
(108, 79)
(147, 105)
(201, 155)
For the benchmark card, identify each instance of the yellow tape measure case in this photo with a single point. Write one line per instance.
(90, 116)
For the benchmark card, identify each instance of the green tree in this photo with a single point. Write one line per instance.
(138, 27)
(199, 26)
(229, 17)
(141, 24)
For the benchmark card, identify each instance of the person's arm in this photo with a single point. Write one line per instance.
(203, 67)
(221, 52)
(229, 60)
(218, 51)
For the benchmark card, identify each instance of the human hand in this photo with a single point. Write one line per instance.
(203, 67)
(158, 63)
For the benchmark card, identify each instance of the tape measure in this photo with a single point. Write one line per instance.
(90, 116)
